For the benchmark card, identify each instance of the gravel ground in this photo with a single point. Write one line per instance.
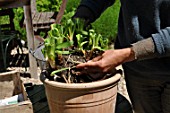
(122, 86)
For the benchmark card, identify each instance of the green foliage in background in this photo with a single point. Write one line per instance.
(106, 25)
(48, 5)
(4, 20)
(72, 4)
(19, 15)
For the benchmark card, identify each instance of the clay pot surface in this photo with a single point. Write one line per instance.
(93, 97)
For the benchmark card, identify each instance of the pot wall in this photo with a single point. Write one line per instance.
(82, 98)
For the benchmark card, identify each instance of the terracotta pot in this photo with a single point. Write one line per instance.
(94, 97)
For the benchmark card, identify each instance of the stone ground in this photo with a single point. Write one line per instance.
(122, 86)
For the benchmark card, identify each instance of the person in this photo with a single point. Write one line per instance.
(142, 48)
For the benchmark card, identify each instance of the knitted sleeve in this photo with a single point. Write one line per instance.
(156, 46)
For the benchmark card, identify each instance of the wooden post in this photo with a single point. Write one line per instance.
(61, 11)
(30, 39)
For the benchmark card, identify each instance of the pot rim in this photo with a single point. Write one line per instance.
(96, 84)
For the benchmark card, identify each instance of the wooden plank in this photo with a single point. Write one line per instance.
(33, 15)
(13, 3)
(36, 18)
(61, 11)
(45, 23)
(7, 0)
(9, 84)
(29, 28)
(50, 14)
(33, 6)
(42, 28)
(22, 107)
(43, 18)
(49, 19)
(30, 39)
(14, 87)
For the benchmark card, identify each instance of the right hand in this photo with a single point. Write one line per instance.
(107, 62)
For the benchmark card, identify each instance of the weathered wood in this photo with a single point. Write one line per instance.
(29, 28)
(42, 18)
(33, 6)
(14, 86)
(30, 39)
(6, 0)
(13, 3)
(8, 85)
(36, 17)
(61, 11)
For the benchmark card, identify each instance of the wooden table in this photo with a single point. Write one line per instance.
(29, 28)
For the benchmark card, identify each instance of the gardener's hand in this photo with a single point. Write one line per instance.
(106, 62)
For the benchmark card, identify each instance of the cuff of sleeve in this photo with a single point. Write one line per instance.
(144, 49)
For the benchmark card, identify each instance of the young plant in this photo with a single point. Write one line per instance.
(61, 41)
(81, 42)
(56, 44)
(81, 34)
(94, 42)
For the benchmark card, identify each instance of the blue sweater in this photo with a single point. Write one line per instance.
(139, 20)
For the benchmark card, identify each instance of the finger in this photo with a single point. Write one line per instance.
(81, 65)
(97, 58)
(86, 72)
(88, 64)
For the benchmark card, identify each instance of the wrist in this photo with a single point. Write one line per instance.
(129, 54)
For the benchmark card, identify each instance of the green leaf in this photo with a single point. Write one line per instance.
(64, 45)
(62, 52)
(60, 70)
(83, 43)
